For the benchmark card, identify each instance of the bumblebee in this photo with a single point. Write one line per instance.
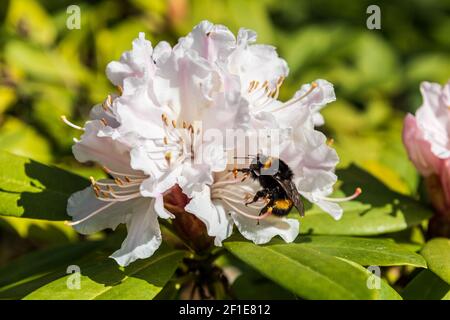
(278, 189)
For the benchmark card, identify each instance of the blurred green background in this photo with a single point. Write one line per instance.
(47, 70)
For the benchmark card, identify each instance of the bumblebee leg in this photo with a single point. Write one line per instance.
(260, 194)
(235, 171)
(267, 210)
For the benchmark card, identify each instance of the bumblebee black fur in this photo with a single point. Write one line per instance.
(275, 178)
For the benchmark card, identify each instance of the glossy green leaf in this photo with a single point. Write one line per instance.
(34, 190)
(19, 138)
(304, 271)
(142, 280)
(378, 210)
(249, 284)
(379, 252)
(36, 269)
(426, 286)
(379, 286)
(43, 231)
(254, 286)
(437, 254)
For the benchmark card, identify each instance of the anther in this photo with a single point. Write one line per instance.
(168, 156)
(164, 119)
(97, 193)
(250, 87)
(330, 141)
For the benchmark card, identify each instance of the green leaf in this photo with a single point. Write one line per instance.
(19, 138)
(41, 65)
(42, 231)
(426, 286)
(379, 252)
(254, 286)
(33, 190)
(378, 210)
(249, 284)
(30, 15)
(385, 291)
(143, 279)
(35, 269)
(8, 97)
(437, 254)
(305, 271)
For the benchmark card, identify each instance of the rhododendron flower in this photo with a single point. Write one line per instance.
(427, 139)
(427, 135)
(163, 135)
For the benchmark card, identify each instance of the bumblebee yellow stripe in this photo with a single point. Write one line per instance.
(283, 204)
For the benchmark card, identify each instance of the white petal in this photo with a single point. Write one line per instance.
(212, 214)
(268, 228)
(332, 208)
(138, 113)
(160, 210)
(112, 153)
(99, 215)
(154, 187)
(212, 42)
(161, 52)
(432, 117)
(144, 235)
(318, 97)
(186, 84)
(135, 63)
(255, 62)
(194, 177)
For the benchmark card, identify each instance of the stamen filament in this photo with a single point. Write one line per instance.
(357, 192)
(74, 223)
(265, 215)
(109, 171)
(70, 124)
(314, 85)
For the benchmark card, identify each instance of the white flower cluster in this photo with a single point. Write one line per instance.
(149, 137)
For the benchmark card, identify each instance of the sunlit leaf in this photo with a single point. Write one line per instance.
(304, 271)
(364, 251)
(142, 280)
(19, 138)
(33, 190)
(36, 269)
(377, 210)
(437, 254)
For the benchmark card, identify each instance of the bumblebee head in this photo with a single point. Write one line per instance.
(263, 163)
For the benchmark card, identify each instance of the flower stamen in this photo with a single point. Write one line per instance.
(357, 192)
(288, 103)
(70, 124)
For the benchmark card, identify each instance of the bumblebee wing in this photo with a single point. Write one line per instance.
(292, 192)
